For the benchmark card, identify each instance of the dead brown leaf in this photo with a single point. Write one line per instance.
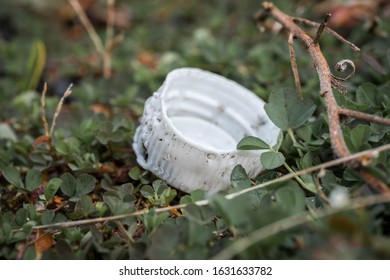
(43, 242)
(42, 139)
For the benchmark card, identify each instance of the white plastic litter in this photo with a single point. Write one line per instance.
(190, 128)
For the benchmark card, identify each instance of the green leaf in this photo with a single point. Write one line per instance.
(357, 139)
(196, 195)
(135, 173)
(103, 137)
(47, 217)
(6, 132)
(366, 94)
(21, 216)
(147, 191)
(267, 176)
(28, 227)
(152, 219)
(125, 193)
(305, 133)
(85, 184)
(164, 242)
(33, 179)
(7, 230)
(31, 211)
(235, 212)
(117, 207)
(239, 178)
(287, 110)
(70, 146)
(167, 196)
(35, 66)
(271, 160)
(291, 198)
(199, 214)
(279, 141)
(86, 204)
(12, 175)
(52, 187)
(159, 186)
(252, 143)
(306, 161)
(310, 183)
(68, 186)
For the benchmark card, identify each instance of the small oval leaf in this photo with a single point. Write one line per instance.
(33, 179)
(252, 143)
(52, 187)
(239, 178)
(271, 160)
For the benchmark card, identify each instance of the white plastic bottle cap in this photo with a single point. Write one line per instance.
(190, 128)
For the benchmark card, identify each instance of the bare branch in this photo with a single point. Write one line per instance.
(328, 30)
(364, 116)
(321, 28)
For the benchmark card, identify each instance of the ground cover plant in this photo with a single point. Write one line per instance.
(74, 76)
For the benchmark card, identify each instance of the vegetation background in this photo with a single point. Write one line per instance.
(83, 166)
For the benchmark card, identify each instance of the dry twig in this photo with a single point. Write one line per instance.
(294, 65)
(327, 29)
(321, 28)
(43, 114)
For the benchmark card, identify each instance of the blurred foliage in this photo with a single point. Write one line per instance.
(88, 169)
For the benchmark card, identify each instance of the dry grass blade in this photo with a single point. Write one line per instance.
(67, 93)
(43, 114)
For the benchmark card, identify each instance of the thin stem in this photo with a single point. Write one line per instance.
(379, 186)
(88, 26)
(294, 65)
(124, 231)
(43, 114)
(320, 191)
(67, 93)
(299, 180)
(328, 30)
(109, 38)
(292, 136)
(110, 22)
(364, 116)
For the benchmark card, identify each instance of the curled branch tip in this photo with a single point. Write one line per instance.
(342, 66)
